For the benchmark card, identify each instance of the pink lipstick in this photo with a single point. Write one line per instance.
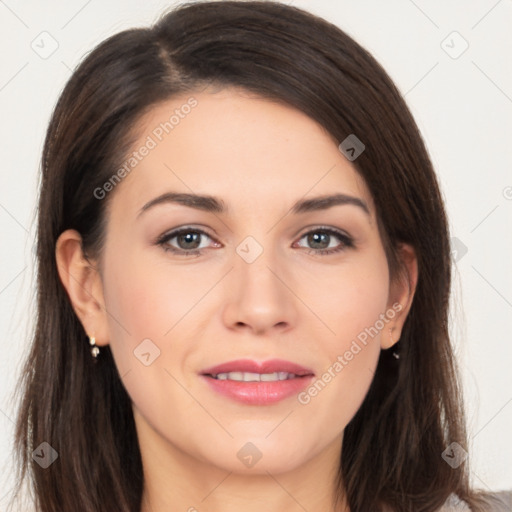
(254, 383)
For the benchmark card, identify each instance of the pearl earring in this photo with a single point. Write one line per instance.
(94, 350)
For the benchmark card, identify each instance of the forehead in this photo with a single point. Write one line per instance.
(252, 152)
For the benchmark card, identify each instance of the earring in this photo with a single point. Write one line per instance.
(94, 350)
(396, 355)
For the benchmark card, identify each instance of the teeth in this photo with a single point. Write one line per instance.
(255, 377)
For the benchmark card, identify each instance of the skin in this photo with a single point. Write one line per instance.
(259, 157)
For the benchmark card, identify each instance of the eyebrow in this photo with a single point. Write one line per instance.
(215, 205)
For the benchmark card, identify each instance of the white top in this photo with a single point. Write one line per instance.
(454, 504)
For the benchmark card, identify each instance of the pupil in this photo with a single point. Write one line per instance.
(189, 237)
(314, 238)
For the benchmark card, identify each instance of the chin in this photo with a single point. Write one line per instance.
(259, 456)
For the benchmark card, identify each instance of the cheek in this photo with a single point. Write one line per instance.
(147, 308)
(356, 313)
(139, 307)
(149, 299)
(153, 316)
(358, 299)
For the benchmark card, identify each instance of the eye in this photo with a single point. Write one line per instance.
(320, 239)
(188, 241)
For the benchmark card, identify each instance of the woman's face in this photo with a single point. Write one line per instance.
(247, 279)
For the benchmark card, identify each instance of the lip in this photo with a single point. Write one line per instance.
(249, 365)
(258, 393)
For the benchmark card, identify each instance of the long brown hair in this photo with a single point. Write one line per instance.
(391, 455)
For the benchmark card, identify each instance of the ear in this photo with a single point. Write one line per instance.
(401, 295)
(83, 285)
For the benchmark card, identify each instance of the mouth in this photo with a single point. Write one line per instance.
(255, 377)
(273, 369)
(254, 383)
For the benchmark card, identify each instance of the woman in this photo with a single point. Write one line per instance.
(296, 356)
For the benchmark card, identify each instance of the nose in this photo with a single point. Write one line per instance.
(260, 296)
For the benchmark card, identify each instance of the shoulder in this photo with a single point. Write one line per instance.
(497, 502)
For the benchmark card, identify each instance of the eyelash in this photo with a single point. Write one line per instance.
(346, 241)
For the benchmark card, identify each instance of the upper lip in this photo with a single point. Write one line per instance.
(250, 366)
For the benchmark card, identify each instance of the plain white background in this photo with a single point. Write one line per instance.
(462, 101)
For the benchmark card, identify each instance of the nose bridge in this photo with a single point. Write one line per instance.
(258, 297)
(257, 264)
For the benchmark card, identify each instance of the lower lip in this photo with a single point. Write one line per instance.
(259, 393)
